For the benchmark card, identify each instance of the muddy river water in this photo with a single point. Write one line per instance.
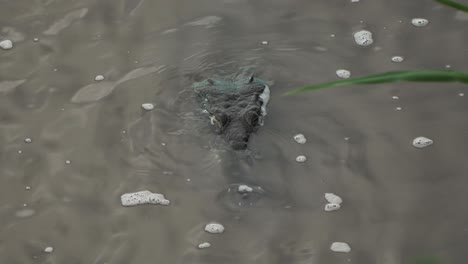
(72, 145)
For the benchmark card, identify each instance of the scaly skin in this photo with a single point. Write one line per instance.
(234, 106)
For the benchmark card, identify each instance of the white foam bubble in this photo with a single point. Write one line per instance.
(301, 158)
(99, 78)
(395, 97)
(244, 189)
(419, 22)
(204, 245)
(28, 140)
(264, 42)
(340, 247)
(143, 197)
(363, 38)
(342, 73)
(147, 106)
(48, 249)
(6, 44)
(214, 228)
(300, 138)
(422, 142)
(398, 59)
(333, 198)
(332, 207)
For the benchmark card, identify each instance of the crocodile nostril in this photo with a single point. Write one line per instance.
(239, 145)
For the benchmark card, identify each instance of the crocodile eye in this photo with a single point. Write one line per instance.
(251, 118)
(223, 119)
(220, 121)
(251, 79)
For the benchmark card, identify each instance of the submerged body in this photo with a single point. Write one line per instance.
(236, 107)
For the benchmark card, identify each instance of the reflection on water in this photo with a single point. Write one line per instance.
(91, 140)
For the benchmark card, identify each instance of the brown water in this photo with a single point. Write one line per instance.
(399, 202)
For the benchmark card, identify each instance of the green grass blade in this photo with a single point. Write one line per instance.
(453, 4)
(425, 260)
(393, 76)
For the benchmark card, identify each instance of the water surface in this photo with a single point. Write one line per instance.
(399, 202)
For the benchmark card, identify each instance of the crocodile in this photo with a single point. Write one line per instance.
(236, 107)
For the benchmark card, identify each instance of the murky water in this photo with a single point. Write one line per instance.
(91, 141)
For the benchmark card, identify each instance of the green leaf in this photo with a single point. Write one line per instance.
(393, 76)
(425, 260)
(453, 4)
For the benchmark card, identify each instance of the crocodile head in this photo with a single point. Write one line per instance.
(236, 108)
